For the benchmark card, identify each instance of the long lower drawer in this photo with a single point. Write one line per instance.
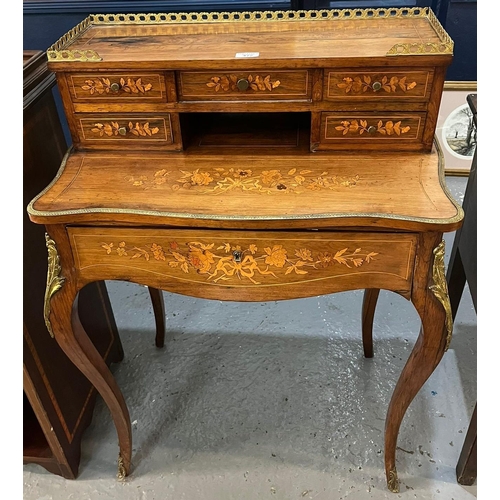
(245, 265)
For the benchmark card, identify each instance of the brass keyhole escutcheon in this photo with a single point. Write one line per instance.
(122, 131)
(115, 87)
(376, 86)
(242, 84)
(237, 254)
(371, 129)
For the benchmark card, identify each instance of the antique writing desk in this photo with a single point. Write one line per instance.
(251, 157)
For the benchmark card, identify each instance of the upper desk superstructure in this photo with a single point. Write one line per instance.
(371, 79)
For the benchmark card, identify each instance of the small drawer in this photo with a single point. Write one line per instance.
(372, 85)
(244, 85)
(113, 87)
(245, 265)
(371, 129)
(110, 131)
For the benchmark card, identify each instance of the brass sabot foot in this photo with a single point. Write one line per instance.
(122, 471)
(393, 481)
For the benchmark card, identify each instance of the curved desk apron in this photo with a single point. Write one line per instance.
(314, 224)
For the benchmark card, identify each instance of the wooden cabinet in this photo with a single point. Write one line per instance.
(58, 400)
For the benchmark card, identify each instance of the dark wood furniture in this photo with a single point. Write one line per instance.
(58, 400)
(249, 157)
(462, 269)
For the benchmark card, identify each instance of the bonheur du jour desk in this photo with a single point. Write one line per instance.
(252, 157)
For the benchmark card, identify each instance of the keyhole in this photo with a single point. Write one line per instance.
(237, 255)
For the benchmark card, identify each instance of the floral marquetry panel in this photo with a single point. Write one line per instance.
(371, 126)
(221, 180)
(117, 86)
(104, 131)
(386, 84)
(234, 85)
(172, 259)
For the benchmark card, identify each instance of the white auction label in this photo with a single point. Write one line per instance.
(247, 54)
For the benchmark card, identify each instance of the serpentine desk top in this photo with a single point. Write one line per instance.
(278, 190)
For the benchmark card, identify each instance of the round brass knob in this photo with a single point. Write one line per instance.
(122, 131)
(242, 84)
(376, 86)
(371, 129)
(115, 87)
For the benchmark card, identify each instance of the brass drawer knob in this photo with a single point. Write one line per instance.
(376, 86)
(242, 84)
(371, 129)
(115, 87)
(122, 131)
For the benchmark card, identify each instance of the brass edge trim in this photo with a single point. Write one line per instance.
(257, 16)
(58, 52)
(30, 208)
(54, 280)
(425, 48)
(393, 481)
(440, 289)
(456, 218)
(442, 180)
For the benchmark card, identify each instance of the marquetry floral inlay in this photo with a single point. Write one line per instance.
(221, 180)
(229, 82)
(103, 85)
(358, 85)
(361, 126)
(228, 261)
(114, 128)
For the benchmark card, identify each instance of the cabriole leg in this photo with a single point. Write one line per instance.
(159, 313)
(370, 298)
(63, 323)
(430, 298)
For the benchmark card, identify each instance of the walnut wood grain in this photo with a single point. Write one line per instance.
(249, 266)
(370, 298)
(368, 130)
(261, 85)
(183, 67)
(113, 131)
(268, 190)
(74, 341)
(159, 313)
(117, 86)
(426, 354)
(305, 44)
(381, 84)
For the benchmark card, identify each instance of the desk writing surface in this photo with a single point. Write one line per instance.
(283, 186)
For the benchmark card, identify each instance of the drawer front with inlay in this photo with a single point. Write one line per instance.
(244, 85)
(372, 129)
(112, 131)
(385, 84)
(237, 265)
(113, 87)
